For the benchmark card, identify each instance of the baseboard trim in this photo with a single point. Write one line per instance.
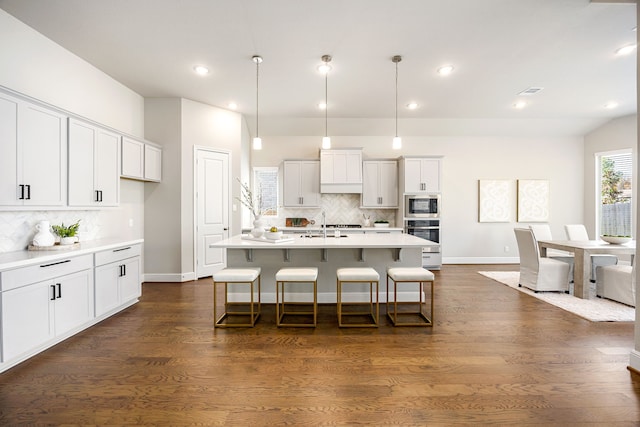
(170, 278)
(481, 260)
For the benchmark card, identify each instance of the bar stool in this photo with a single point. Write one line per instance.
(417, 275)
(359, 275)
(307, 276)
(236, 276)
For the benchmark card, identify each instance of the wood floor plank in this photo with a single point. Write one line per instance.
(494, 356)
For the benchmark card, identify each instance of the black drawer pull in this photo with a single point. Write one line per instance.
(53, 293)
(122, 249)
(56, 263)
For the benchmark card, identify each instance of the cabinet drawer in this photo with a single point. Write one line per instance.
(12, 279)
(114, 255)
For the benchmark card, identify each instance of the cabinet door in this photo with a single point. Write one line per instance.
(107, 168)
(130, 287)
(8, 151)
(74, 300)
(291, 184)
(370, 184)
(413, 176)
(106, 288)
(82, 139)
(152, 163)
(388, 184)
(430, 175)
(310, 183)
(132, 158)
(42, 155)
(341, 166)
(26, 318)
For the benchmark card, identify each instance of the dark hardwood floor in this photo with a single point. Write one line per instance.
(495, 356)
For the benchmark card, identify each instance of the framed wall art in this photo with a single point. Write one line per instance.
(494, 200)
(533, 200)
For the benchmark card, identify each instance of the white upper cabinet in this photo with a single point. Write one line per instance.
(341, 171)
(141, 160)
(33, 154)
(421, 175)
(380, 184)
(94, 166)
(152, 163)
(301, 183)
(132, 158)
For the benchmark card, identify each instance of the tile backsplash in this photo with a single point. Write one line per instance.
(339, 208)
(17, 228)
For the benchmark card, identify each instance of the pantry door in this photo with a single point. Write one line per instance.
(212, 209)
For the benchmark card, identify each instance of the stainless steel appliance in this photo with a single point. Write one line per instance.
(428, 229)
(421, 205)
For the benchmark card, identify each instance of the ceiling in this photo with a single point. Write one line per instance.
(498, 48)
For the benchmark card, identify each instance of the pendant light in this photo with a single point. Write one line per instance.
(397, 141)
(326, 141)
(257, 141)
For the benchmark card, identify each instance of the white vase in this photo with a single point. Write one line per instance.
(258, 227)
(68, 240)
(44, 236)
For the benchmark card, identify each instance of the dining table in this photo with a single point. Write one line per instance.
(582, 251)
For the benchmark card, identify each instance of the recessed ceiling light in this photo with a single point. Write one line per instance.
(611, 105)
(232, 106)
(412, 105)
(625, 50)
(519, 105)
(445, 70)
(530, 91)
(322, 105)
(201, 70)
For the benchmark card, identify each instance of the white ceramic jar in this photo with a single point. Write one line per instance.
(44, 236)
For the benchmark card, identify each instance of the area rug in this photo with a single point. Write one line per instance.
(593, 309)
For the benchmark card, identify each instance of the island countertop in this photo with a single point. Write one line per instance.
(329, 242)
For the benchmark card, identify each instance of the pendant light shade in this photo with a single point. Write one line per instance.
(397, 141)
(257, 141)
(326, 141)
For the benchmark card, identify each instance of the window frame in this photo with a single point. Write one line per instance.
(255, 180)
(598, 188)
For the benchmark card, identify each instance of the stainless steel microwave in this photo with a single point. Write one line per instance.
(422, 205)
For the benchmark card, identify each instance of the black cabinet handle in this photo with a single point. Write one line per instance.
(59, 290)
(100, 191)
(122, 249)
(21, 192)
(56, 263)
(124, 269)
(28, 191)
(53, 293)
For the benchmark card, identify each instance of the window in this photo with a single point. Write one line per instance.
(265, 184)
(615, 172)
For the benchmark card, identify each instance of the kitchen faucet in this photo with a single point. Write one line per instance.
(324, 224)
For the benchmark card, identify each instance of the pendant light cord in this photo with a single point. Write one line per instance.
(326, 103)
(257, 96)
(396, 99)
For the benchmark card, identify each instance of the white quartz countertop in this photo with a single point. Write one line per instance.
(330, 242)
(11, 260)
(318, 229)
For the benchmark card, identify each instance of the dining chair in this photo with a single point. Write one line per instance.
(617, 283)
(543, 232)
(579, 232)
(539, 273)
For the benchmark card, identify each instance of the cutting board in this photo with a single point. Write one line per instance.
(298, 222)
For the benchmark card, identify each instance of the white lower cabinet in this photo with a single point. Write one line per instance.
(35, 313)
(117, 278)
(43, 303)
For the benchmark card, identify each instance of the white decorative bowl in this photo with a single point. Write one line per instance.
(381, 224)
(616, 240)
(273, 235)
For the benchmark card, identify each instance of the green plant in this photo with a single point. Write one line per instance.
(381, 221)
(66, 231)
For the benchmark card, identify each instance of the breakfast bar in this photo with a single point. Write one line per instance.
(329, 253)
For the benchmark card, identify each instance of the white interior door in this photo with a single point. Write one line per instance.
(212, 210)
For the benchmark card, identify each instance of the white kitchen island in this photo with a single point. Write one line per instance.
(329, 253)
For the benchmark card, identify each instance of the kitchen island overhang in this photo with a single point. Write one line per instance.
(377, 251)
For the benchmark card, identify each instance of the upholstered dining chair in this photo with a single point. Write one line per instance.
(539, 273)
(579, 232)
(543, 232)
(617, 282)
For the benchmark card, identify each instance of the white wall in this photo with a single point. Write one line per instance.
(39, 68)
(466, 160)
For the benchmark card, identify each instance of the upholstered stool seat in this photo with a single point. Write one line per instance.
(300, 276)
(361, 276)
(237, 277)
(415, 275)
